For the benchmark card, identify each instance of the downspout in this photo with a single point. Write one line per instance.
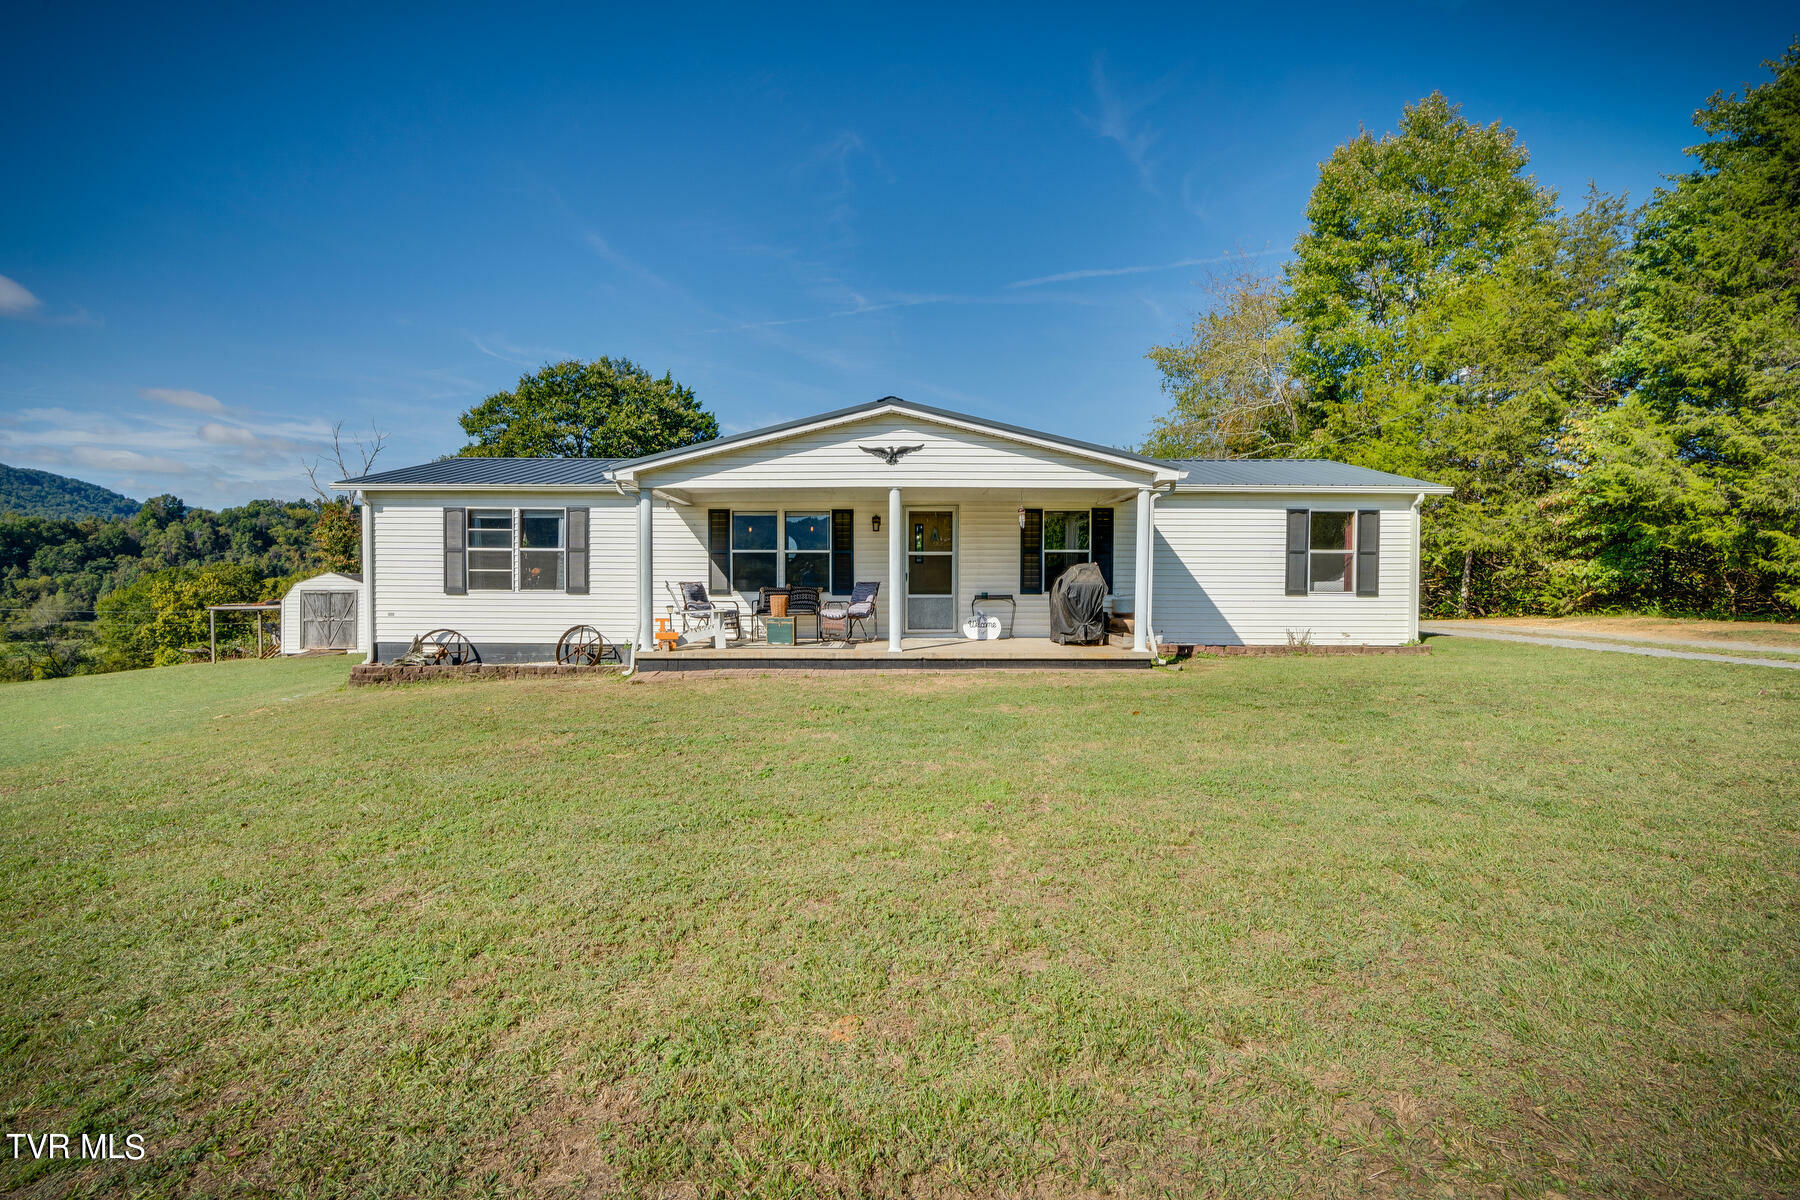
(368, 568)
(1417, 563)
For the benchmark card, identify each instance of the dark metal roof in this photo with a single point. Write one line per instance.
(874, 405)
(1287, 472)
(498, 472)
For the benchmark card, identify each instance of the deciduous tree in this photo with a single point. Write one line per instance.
(608, 408)
(1232, 382)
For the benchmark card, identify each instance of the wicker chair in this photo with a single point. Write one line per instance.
(804, 602)
(842, 616)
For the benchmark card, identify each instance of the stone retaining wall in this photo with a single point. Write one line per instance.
(366, 674)
(1166, 650)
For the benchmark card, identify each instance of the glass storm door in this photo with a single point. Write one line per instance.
(930, 572)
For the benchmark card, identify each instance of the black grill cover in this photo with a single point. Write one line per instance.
(1078, 606)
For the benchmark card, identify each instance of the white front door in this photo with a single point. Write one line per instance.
(930, 571)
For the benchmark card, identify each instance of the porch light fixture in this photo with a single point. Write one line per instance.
(1021, 516)
(875, 524)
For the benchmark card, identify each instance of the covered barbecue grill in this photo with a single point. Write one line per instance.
(1078, 606)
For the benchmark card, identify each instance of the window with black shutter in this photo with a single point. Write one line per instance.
(843, 551)
(1101, 520)
(577, 536)
(456, 535)
(718, 549)
(1031, 553)
(1368, 552)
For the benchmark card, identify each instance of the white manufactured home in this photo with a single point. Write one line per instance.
(941, 510)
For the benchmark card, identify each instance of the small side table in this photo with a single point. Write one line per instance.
(779, 631)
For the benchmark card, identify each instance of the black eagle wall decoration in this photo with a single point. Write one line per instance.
(892, 454)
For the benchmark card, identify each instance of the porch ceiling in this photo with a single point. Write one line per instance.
(878, 495)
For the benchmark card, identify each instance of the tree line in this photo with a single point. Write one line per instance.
(106, 594)
(98, 594)
(1614, 394)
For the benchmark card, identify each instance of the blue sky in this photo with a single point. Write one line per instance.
(221, 232)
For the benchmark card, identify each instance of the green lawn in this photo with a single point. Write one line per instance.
(1497, 921)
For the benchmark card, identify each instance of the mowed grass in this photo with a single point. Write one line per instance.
(1501, 920)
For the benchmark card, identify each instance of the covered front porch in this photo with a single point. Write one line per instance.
(936, 510)
(932, 556)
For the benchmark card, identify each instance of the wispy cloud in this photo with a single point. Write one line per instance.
(1102, 272)
(861, 306)
(218, 461)
(19, 303)
(834, 159)
(1117, 120)
(214, 433)
(183, 398)
(624, 262)
(518, 356)
(856, 309)
(16, 299)
(104, 458)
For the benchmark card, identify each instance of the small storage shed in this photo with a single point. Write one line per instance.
(322, 613)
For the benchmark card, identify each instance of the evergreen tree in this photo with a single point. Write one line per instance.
(1692, 492)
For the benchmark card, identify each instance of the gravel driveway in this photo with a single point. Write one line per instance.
(1600, 642)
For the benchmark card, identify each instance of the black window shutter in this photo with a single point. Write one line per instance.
(1100, 539)
(843, 551)
(456, 545)
(575, 529)
(1031, 553)
(718, 548)
(1368, 552)
(1299, 541)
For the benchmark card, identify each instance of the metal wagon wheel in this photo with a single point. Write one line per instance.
(584, 646)
(449, 646)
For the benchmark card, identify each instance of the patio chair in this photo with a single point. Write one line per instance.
(804, 602)
(694, 607)
(842, 616)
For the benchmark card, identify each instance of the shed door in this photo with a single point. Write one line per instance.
(328, 620)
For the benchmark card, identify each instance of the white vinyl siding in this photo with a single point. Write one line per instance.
(1220, 562)
(409, 572)
(1220, 574)
(949, 458)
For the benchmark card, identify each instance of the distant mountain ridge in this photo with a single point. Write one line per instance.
(43, 494)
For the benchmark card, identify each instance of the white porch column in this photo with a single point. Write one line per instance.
(896, 570)
(1140, 579)
(646, 574)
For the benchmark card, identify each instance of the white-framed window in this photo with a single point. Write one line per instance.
(1331, 552)
(806, 550)
(517, 549)
(490, 550)
(754, 561)
(542, 549)
(1068, 539)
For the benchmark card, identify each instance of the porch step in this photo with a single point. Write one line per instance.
(684, 661)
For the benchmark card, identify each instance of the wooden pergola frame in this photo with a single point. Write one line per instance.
(212, 623)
